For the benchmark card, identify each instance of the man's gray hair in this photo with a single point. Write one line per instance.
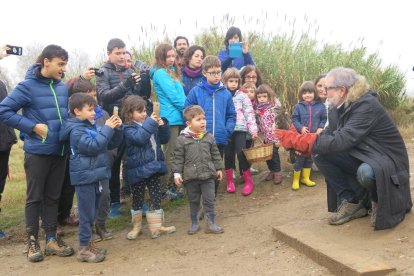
(343, 76)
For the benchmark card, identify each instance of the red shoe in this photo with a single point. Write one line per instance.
(248, 183)
(230, 182)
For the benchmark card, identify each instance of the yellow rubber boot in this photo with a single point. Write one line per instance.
(306, 177)
(295, 184)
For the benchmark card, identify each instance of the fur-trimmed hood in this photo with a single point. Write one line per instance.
(359, 89)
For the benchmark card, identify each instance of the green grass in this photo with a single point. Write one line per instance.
(12, 219)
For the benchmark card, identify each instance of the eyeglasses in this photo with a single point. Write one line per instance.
(250, 78)
(214, 73)
(326, 88)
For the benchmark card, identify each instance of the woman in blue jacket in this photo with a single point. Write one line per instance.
(192, 72)
(166, 78)
(234, 35)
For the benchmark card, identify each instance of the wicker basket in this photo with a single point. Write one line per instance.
(259, 153)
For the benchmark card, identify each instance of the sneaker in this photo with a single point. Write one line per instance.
(3, 235)
(89, 255)
(71, 221)
(34, 254)
(373, 213)
(56, 246)
(348, 211)
(101, 233)
(114, 210)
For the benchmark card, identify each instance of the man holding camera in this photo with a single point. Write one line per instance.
(114, 82)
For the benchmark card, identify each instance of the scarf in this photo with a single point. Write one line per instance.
(262, 107)
(211, 88)
(192, 73)
(196, 136)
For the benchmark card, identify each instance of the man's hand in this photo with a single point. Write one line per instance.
(219, 175)
(41, 130)
(178, 180)
(302, 143)
(3, 49)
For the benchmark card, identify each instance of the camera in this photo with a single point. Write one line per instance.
(98, 72)
(14, 50)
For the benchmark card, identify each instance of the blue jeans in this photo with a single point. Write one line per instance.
(88, 203)
(339, 168)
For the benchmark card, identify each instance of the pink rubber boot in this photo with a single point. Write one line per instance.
(248, 183)
(230, 183)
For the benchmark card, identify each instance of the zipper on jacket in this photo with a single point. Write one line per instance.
(310, 118)
(58, 110)
(214, 115)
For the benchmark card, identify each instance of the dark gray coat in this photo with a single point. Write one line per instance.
(7, 135)
(196, 159)
(367, 132)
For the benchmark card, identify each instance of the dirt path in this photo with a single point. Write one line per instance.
(246, 248)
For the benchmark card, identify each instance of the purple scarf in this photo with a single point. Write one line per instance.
(192, 73)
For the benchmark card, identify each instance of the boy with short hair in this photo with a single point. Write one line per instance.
(216, 101)
(88, 166)
(43, 99)
(197, 163)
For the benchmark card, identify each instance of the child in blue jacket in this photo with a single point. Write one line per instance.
(144, 136)
(309, 116)
(88, 166)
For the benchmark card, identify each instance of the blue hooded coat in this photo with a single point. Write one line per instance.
(43, 101)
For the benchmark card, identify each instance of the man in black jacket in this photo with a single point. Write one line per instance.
(116, 82)
(366, 148)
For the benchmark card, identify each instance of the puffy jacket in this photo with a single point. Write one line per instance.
(219, 108)
(227, 61)
(246, 119)
(43, 101)
(170, 94)
(88, 162)
(196, 159)
(143, 160)
(113, 86)
(190, 82)
(7, 135)
(311, 115)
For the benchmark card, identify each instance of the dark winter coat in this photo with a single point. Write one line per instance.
(219, 108)
(88, 162)
(143, 160)
(43, 101)
(312, 116)
(112, 87)
(190, 82)
(196, 159)
(7, 135)
(367, 132)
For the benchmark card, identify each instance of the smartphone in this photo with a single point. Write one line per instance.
(115, 112)
(14, 50)
(156, 108)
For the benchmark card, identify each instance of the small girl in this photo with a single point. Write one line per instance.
(144, 136)
(309, 116)
(250, 90)
(245, 123)
(266, 105)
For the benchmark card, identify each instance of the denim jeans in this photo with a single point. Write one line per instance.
(339, 168)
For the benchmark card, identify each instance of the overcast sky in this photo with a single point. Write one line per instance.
(385, 27)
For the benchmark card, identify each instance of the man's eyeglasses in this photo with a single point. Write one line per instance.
(331, 87)
(250, 78)
(214, 73)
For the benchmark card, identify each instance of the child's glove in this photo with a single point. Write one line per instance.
(302, 143)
